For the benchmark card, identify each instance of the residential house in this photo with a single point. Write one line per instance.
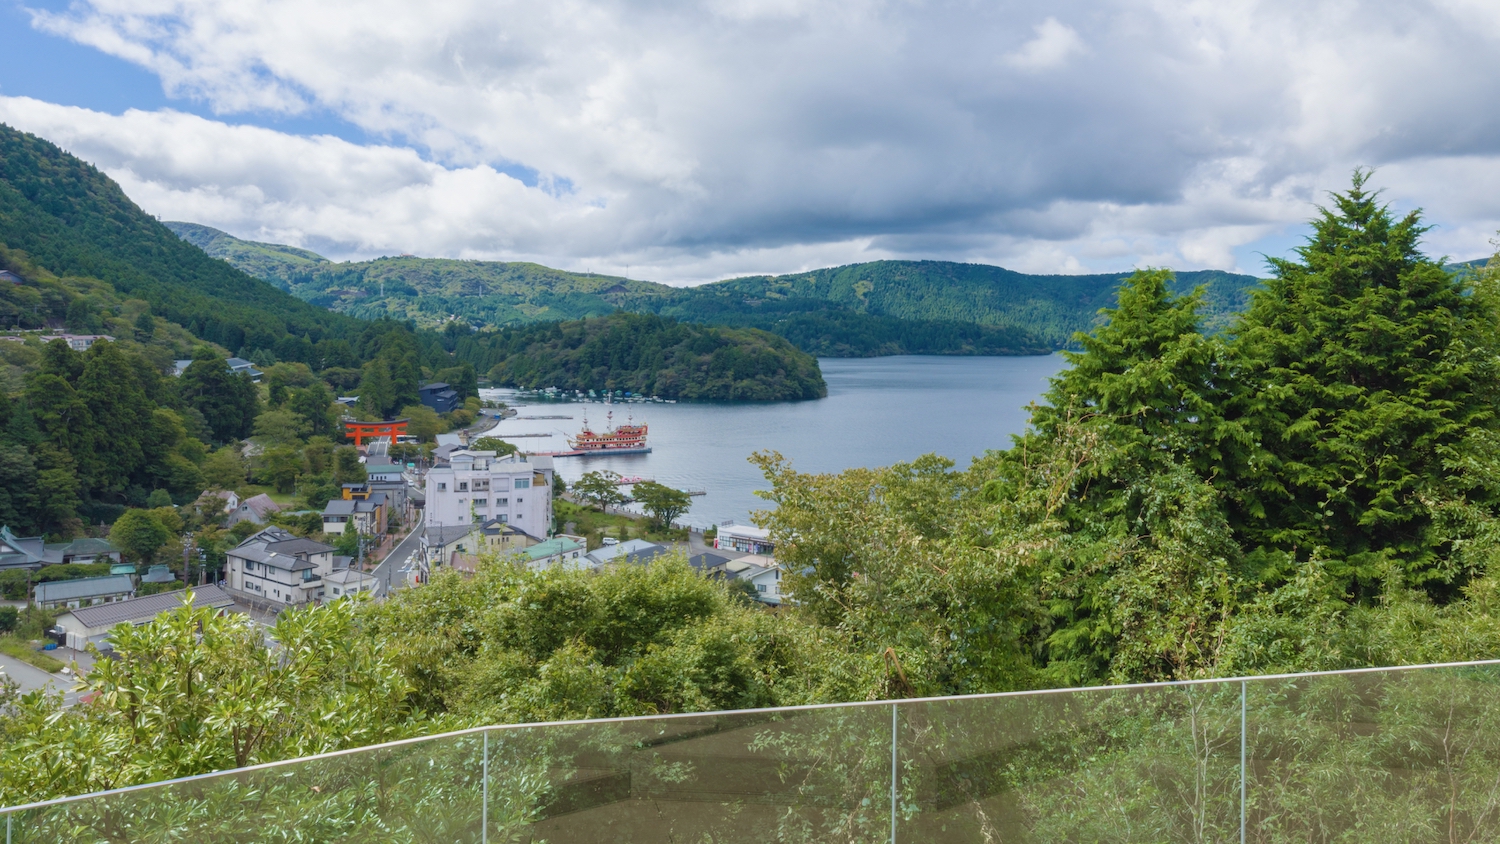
(383, 470)
(92, 625)
(33, 552)
(83, 592)
(240, 365)
(256, 508)
(236, 366)
(8, 276)
(564, 552)
(81, 342)
(474, 487)
(345, 583)
(503, 538)
(366, 511)
(745, 538)
(440, 397)
(275, 565)
(218, 502)
(439, 544)
(630, 552)
(762, 573)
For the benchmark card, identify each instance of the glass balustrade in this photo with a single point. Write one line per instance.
(1401, 755)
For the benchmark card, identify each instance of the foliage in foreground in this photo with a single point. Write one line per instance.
(1317, 490)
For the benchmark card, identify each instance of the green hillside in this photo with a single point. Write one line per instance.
(66, 216)
(431, 291)
(649, 355)
(1050, 308)
(877, 308)
(262, 260)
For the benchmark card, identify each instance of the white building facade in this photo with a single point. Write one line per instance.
(475, 487)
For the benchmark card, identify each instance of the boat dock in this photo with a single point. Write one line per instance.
(543, 417)
(592, 452)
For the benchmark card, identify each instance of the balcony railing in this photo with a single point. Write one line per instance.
(1384, 755)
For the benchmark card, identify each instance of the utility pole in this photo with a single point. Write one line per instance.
(187, 547)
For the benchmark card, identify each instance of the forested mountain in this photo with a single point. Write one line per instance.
(1049, 308)
(648, 355)
(429, 291)
(878, 308)
(71, 219)
(261, 260)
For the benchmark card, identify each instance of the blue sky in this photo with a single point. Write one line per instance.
(750, 136)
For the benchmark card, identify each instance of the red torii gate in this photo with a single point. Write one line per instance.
(361, 431)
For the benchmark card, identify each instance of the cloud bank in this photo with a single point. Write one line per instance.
(696, 140)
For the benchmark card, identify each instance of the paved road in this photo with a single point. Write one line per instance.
(32, 678)
(389, 574)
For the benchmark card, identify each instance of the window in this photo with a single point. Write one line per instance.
(480, 502)
(442, 487)
(503, 518)
(520, 501)
(523, 483)
(463, 486)
(760, 587)
(501, 502)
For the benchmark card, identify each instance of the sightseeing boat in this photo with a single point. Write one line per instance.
(626, 439)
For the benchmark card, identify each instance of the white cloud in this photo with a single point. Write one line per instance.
(1053, 45)
(692, 141)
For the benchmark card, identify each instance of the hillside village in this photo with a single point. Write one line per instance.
(454, 507)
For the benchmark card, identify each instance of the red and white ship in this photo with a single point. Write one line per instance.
(626, 439)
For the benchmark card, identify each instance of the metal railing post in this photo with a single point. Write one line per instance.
(484, 791)
(1243, 776)
(895, 783)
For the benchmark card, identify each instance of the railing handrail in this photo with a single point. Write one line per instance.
(57, 801)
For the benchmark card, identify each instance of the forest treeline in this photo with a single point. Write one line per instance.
(647, 355)
(1317, 488)
(858, 310)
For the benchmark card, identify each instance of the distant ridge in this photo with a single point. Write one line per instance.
(858, 310)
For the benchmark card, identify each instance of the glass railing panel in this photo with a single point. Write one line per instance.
(1399, 756)
(810, 776)
(1156, 764)
(422, 791)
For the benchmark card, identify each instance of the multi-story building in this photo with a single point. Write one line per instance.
(360, 508)
(475, 487)
(274, 565)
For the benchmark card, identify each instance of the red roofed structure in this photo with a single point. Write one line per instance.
(362, 432)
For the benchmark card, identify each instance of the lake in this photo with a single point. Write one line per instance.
(878, 411)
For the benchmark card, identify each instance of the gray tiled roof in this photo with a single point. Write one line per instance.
(443, 534)
(84, 588)
(263, 546)
(298, 545)
(138, 610)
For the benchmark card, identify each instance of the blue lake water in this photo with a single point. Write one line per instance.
(878, 411)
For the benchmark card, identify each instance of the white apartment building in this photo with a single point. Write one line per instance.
(274, 565)
(475, 487)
